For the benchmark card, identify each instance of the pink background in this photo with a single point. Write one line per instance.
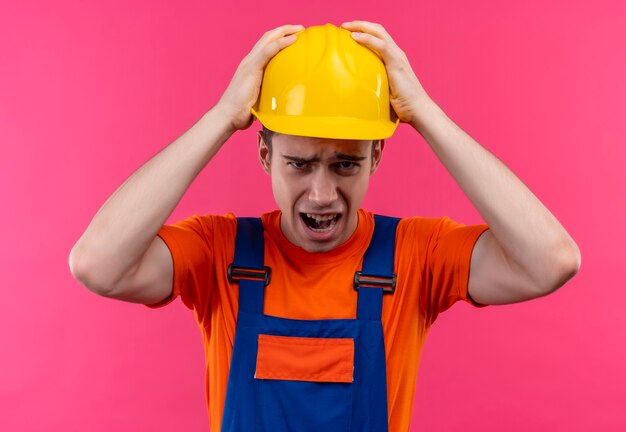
(91, 90)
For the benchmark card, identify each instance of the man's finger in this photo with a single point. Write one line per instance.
(277, 34)
(378, 46)
(281, 31)
(366, 27)
(272, 48)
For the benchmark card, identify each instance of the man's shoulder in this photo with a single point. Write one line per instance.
(428, 221)
(223, 222)
(424, 229)
(414, 225)
(416, 221)
(208, 219)
(206, 226)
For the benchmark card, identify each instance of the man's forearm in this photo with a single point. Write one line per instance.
(524, 228)
(127, 223)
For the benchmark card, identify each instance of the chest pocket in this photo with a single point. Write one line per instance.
(305, 359)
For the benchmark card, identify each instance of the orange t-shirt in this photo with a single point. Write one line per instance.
(432, 262)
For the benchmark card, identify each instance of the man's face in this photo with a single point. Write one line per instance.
(319, 185)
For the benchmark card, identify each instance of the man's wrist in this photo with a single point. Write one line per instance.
(426, 112)
(223, 117)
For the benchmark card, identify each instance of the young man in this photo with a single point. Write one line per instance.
(329, 337)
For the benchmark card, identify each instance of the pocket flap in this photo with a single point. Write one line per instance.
(305, 359)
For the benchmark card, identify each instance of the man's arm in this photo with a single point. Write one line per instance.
(526, 253)
(119, 255)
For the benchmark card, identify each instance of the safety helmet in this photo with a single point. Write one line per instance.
(326, 85)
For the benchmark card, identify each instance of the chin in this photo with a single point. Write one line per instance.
(319, 248)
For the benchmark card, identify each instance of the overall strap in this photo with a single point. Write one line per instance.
(247, 267)
(377, 274)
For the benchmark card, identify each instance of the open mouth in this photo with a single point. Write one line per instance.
(320, 223)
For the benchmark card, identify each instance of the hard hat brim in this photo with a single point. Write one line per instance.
(327, 127)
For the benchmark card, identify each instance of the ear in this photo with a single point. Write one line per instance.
(377, 154)
(264, 153)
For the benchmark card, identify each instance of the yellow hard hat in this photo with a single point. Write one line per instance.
(326, 85)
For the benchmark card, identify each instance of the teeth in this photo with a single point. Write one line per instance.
(321, 218)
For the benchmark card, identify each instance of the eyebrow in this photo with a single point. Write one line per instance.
(338, 155)
(348, 157)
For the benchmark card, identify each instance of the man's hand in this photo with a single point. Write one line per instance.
(243, 90)
(407, 94)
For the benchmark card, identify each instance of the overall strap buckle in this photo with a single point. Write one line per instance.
(387, 283)
(235, 274)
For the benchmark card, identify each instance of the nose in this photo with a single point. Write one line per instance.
(323, 190)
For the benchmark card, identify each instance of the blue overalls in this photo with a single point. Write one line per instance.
(359, 403)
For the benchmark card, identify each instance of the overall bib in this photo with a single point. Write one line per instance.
(308, 375)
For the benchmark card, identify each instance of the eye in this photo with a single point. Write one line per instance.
(297, 165)
(346, 166)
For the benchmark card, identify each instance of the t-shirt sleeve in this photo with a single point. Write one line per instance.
(448, 253)
(190, 243)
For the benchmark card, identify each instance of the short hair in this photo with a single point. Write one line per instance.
(267, 137)
(269, 134)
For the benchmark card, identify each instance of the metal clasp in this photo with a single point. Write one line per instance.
(236, 274)
(388, 284)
